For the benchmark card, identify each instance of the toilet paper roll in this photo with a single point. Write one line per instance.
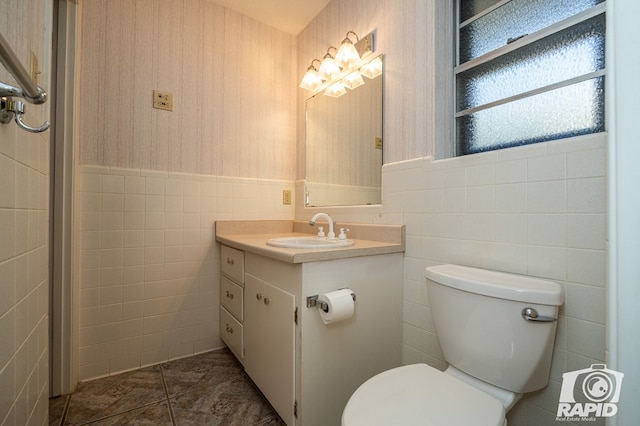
(340, 306)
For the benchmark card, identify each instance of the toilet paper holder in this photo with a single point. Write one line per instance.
(312, 301)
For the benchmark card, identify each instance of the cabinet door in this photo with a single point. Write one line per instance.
(269, 340)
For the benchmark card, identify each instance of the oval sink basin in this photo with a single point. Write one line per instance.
(307, 243)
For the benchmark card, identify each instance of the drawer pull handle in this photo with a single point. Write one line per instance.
(229, 295)
(230, 261)
(267, 301)
(259, 296)
(229, 329)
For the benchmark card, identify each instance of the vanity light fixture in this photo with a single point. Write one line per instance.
(350, 63)
(311, 80)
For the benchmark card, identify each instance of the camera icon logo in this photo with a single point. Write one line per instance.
(588, 393)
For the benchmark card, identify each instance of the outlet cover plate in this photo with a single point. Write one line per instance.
(163, 100)
(286, 196)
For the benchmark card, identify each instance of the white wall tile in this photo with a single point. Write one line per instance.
(134, 185)
(134, 202)
(586, 266)
(584, 302)
(511, 228)
(111, 220)
(7, 336)
(547, 262)
(511, 198)
(550, 167)
(482, 174)
(588, 163)
(155, 186)
(547, 197)
(510, 171)
(544, 223)
(586, 195)
(481, 199)
(133, 221)
(109, 239)
(586, 231)
(154, 203)
(111, 183)
(547, 230)
(141, 258)
(585, 338)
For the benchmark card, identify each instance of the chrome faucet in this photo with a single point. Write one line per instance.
(331, 235)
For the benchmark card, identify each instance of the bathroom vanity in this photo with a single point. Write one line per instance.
(308, 369)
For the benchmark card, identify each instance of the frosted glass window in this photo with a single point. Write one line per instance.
(571, 53)
(513, 19)
(547, 86)
(569, 111)
(468, 9)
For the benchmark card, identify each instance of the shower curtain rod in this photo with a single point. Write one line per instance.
(28, 89)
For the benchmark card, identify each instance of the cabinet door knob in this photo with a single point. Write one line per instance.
(229, 295)
(259, 296)
(267, 300)
(230, 261)
(229, 329)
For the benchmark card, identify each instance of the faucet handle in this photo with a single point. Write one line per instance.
(321, 232)
(343, 233)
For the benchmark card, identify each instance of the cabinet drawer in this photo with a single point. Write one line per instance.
(231, 295)
(232, 263)
(231, 331)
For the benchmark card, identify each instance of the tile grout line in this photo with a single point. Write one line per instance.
(149, 404)
(166, 392)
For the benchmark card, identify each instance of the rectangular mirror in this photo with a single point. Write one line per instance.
(344, 146)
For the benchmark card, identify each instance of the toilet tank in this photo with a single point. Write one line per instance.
(478, 317)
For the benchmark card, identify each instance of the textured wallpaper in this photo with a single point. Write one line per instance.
(232, 80)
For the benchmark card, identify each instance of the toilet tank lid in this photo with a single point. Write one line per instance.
(501, 285)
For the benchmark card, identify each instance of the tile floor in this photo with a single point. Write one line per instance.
(206, 389)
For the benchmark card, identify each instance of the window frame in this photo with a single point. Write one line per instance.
(512, 46)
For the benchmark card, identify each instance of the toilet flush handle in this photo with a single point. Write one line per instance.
(530, 314)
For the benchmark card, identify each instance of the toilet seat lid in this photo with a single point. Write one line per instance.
(420, 395)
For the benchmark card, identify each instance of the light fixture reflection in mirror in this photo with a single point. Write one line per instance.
(353, 80)
(372, 69)
(336, 90)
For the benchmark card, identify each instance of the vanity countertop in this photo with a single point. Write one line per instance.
(252, 236)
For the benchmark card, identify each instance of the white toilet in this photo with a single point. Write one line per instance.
(496, 331)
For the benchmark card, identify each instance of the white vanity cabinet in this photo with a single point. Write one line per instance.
(306, 369)
(232, 299)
